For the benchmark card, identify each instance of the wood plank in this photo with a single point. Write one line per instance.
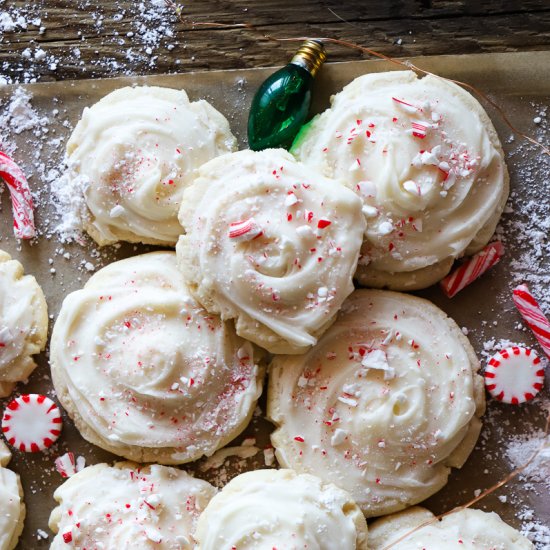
(84, 41)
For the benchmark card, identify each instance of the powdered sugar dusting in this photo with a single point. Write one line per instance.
(143, 29)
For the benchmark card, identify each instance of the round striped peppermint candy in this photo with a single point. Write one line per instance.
(31, 423)
(514, 375)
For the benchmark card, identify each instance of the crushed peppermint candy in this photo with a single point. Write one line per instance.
(246, 230)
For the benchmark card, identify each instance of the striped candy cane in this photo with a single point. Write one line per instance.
(21, 200)
(472, 268)
(533, 316)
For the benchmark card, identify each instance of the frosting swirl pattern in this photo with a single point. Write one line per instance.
(134, 152)
(144, 371)
(267, 509)
(271, 244)
(467, 529)
(384, 405)
(426, 161)
(23, 323)
(128, 506)
(12, 510)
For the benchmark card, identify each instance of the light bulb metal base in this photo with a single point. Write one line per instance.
(310, 56)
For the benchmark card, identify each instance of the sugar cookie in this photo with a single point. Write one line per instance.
(281, 509)
(384, 405)
(467, 529)
(12, 510)
(425, 158)
(134, 152)
(144, 371)
(23, 323)
(270, 244)
(128, 506)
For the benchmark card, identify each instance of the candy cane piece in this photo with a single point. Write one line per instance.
(472, 268)
(21, 199)
(245, 230)
(533, 316)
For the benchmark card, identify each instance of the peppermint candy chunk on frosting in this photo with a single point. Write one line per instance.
(281, 509)
(383, 406)
(133, 153)
(32, 423)
(430, 151)
(514, 375)
(263, 233)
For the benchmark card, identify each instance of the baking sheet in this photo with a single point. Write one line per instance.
(517, 81)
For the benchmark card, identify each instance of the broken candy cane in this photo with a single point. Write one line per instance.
(472, 268)
(21, 200)
(533, 316)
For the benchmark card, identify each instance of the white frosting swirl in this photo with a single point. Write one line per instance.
(129, 506)
(12, 509)
(385, 403)
(467, 529)
(427, 200)
(23, 323)
(267, 509)
(134, 152)
(144, 371)
(285, 279)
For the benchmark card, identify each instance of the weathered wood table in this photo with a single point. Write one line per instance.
(84, 39)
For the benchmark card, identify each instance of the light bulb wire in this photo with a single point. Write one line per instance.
(352, 45)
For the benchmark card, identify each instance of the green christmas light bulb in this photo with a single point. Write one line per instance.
(281, 105)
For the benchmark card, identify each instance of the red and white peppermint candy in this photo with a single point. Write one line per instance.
(21, 199)
(472, 268)
(31, 423)
(245, 230)
(514, 375)
(533, 316)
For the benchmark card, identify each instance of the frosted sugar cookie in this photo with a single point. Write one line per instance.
(384, 405)
(467, 529)
(144, 371)
(12, 508)
(267, 509)
(128, 506)
(134, 152)
(23, 323)
(426, 161)
(271, 244)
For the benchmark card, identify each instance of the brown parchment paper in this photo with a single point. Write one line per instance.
(517, 81)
